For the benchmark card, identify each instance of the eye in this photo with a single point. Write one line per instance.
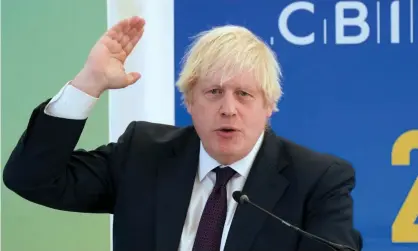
(243, 93)
(215, 91)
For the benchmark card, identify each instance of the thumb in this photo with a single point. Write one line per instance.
(132, 77)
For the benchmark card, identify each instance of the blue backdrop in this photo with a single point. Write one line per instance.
(351, 94)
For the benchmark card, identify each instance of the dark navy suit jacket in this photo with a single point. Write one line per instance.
(146, 178)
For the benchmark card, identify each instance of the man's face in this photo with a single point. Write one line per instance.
(230, 116)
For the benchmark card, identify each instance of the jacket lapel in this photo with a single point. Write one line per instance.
(264, 186)
(176, 175)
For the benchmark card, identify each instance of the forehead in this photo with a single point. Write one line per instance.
(234, 80)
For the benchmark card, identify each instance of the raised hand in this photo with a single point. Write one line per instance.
(104, 68)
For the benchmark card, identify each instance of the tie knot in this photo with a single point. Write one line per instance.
(223, 175)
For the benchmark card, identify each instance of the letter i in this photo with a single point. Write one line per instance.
(395, 22)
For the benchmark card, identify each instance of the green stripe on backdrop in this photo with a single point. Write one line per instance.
(44, 44)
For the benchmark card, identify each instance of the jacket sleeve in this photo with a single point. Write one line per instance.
(330, 210)
(45, 168)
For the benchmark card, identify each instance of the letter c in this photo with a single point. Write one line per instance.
(284, 28)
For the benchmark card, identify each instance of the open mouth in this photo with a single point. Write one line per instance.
(226, 131)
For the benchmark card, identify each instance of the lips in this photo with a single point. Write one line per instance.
(227, 129)
(227, 132)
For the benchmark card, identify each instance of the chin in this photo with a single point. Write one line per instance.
(228, 149)
(228, 156)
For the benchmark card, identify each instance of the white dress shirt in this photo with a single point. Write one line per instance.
(71, 103)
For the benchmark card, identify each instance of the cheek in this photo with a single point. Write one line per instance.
(255, 118)
(200, 113)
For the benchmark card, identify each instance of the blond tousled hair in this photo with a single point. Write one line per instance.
(231, 49)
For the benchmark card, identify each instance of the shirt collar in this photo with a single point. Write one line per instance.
(242, 166)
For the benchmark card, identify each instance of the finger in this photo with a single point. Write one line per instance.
(124, 41)
(121, 25)
(122, 32)
(137, 35)
(126, 38)
(132, 77)
(136, 23)
(133, 23)
(127, 27)
(114, 35)
(124, 26)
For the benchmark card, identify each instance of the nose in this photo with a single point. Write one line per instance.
(228, 105)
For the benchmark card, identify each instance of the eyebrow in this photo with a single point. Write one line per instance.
(209, 83)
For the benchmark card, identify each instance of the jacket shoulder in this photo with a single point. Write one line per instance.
(306, 154)
(149, 135)
(313, 164)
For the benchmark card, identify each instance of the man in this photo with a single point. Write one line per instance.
(171, 188)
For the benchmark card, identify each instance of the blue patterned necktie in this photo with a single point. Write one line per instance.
(209, 232)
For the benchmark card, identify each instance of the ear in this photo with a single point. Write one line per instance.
(269, 111)
(188, 103)
(189, 107)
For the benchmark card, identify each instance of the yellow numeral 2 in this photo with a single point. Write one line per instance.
(404, 229)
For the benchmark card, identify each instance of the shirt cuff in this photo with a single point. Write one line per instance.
(70, 103)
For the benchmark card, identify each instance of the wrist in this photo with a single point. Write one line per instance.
(88, 84)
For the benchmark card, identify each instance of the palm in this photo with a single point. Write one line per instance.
(109, 54)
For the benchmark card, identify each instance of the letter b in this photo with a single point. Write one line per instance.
(360, 21)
